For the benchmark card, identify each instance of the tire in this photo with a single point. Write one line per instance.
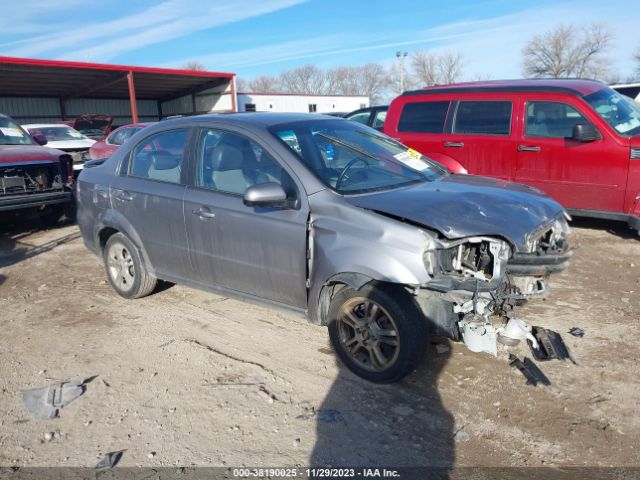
(361, 323)
(125, 270)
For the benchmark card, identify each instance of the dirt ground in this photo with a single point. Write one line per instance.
(186, 377)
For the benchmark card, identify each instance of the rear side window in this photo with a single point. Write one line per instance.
(160, 156)
(362, 117)
(483, 118)
(423, 117)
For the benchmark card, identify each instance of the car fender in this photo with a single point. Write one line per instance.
(115, 220)
(450, 163)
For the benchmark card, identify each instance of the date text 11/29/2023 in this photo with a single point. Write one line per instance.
(315, 473)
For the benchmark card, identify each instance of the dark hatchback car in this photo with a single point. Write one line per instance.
(372, 116)
(328, 218)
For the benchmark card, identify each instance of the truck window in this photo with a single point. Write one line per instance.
(483, 118)
(423, 117)
(552, 120)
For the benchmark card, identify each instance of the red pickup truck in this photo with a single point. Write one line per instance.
(577, 140)
(32, 176)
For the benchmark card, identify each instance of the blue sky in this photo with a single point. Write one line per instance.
(254, 37)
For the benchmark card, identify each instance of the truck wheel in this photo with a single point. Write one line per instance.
(125, 270)
(378, 332)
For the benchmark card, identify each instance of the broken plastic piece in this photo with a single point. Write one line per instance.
(550, 345)
(45, 403)
(110, 460)
(530, 370)
(576, 332)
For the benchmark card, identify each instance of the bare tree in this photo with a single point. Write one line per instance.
(241, 85)
(265, 84)
(433, 69)
(307, 79)
(569, 51)
(636, 57)
(194, 65)
(373, 81)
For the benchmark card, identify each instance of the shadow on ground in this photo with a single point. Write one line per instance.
(12, 248)
(361, 424)
(620, 229)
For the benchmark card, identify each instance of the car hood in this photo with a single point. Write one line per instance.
(27, 153)
(466, 205)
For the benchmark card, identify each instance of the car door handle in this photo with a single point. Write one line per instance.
(124, 196)
(453, 144)
(203, 213)
(528, 148)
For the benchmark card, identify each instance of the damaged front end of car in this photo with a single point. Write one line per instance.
(477, 282)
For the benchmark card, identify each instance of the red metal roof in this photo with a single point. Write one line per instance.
(58, 78)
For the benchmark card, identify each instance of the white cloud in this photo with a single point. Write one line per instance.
(168, 20)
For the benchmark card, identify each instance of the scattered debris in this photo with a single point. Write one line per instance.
(550, 345)
(106, 384)
(151, 454)
(329, 416)
(530, 370)
(49, 436)
(110, 460)
(270, 397)
(461, 436)
(576, 332)
(166, 344)
(45, 403)
(442, 348)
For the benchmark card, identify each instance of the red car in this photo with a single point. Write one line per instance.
(33, 177)
(109, 144)
(577, 140)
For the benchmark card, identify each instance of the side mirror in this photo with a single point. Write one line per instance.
(39, 138)
(268, 194)
(585, 132)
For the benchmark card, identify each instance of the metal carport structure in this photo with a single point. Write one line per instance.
(24, 80)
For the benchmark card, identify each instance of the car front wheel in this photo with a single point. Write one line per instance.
(377, 331)
(125, 269)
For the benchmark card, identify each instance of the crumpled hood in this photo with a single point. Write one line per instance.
(466, 205)
(27, 153)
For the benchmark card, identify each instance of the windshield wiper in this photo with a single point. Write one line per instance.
(350, 146)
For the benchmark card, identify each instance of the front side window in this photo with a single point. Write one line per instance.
(423, 117)
(378, 120)
(483, 118)
(160, 156)
(621, 113)
(552, 120)
(231, 163)
(12, 134)
(350, 158)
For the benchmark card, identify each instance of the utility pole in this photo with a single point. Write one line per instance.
(401, 56)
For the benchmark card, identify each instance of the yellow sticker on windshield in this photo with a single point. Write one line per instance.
(414, 154)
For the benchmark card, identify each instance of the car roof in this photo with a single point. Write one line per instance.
(574, 86)
(255, 119)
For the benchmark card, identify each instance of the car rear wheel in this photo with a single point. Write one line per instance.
(378, 332)
(125, 269)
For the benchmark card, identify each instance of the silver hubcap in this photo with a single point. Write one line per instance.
(368, 334)
(120, 266)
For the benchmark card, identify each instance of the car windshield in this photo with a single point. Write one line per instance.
(12, 134)
(58, 133)
(619, 112)
(350, 158)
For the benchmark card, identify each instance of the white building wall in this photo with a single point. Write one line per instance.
(300, 103)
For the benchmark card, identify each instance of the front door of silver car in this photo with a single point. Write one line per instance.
(259, 251)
